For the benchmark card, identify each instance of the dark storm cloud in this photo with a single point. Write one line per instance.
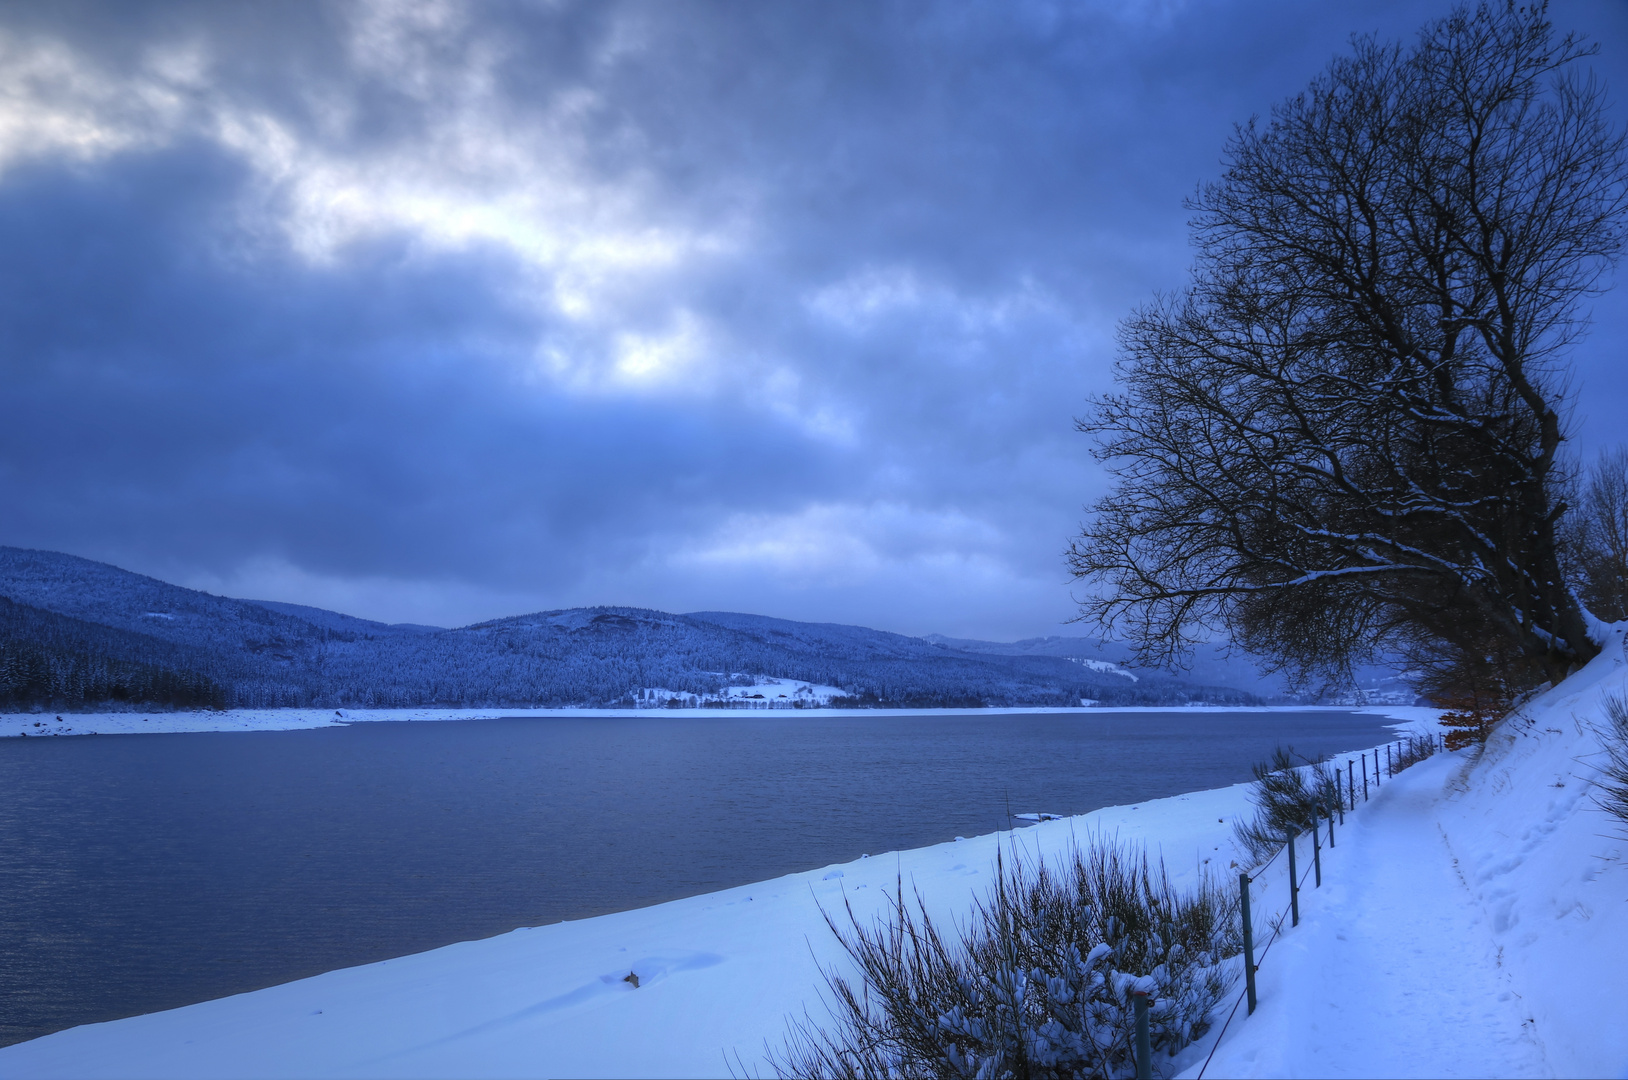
(355, 419)
(784, 308)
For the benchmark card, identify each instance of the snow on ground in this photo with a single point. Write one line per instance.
(1472, 922)
(1391, 972)
(156, 722)
(763, 692)
(783, 691)
(1106, 668)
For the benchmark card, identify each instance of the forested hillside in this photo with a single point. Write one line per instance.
(76, 633)
(49, 659)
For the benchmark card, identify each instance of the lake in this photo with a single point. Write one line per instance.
(144, 872)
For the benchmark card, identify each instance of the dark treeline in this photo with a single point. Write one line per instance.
(43, 663)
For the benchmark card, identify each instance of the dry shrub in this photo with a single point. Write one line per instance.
(1289, 796)
(1038, 984)
(1611, 788)
(1477, 686)
(1470, 718)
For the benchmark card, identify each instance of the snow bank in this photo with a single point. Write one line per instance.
(158, 722)
(1546, 869)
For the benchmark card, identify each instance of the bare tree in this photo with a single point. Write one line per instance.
(1346, 433)
(1599, 537)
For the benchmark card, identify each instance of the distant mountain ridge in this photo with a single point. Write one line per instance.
(1208, 664)
(268, 653)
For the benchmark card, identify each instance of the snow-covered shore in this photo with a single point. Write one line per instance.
(135, 721)
(1472, 922)
(718, 975)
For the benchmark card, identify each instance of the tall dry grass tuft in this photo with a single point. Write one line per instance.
(1611, 787)
(1290, 796)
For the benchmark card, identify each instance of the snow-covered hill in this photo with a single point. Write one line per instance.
(1472, 922)
(264, 654)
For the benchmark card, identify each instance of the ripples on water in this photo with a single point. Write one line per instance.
(145, 872)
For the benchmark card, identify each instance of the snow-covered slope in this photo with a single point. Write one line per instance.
(1474, 920)
(1547, 870)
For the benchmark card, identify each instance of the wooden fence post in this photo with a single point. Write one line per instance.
(1294, 884)
(1249, 939)
(1144, 1041)
(1317, 851)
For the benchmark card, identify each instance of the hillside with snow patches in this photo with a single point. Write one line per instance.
(75, 632)
(1472, 922)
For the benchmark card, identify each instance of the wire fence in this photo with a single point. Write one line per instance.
(1407, 752)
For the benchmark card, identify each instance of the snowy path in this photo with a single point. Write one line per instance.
(1392, 971)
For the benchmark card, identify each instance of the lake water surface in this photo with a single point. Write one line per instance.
(144, 872)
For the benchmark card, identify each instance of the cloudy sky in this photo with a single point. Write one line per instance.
(437, 312)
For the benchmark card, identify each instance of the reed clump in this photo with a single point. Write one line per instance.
(1290, 795)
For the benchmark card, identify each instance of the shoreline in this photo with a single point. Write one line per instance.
(138, 722)
(718, 972)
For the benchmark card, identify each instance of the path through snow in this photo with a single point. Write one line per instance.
(1392, 971)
